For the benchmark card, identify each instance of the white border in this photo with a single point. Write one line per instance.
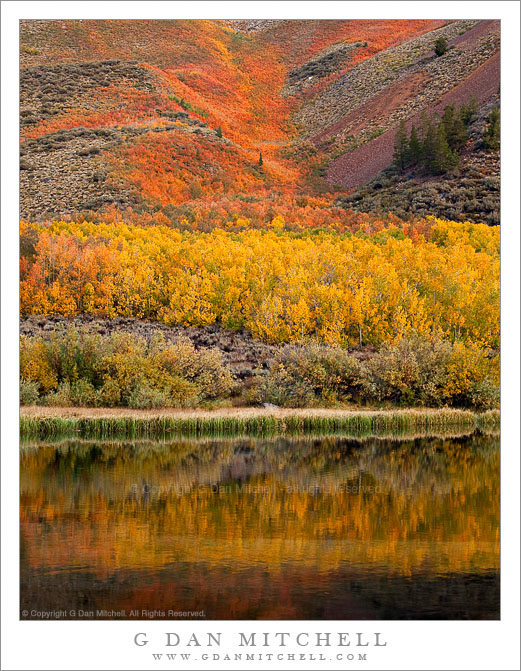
(412, 645)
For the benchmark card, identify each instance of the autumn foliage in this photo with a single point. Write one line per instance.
(74, 368)
(346, 289)
(210, 210)
(229, 80)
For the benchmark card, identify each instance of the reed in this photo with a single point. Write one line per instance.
(489, 420)
(353, 423)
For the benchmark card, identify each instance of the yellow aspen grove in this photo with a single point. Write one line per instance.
(346, 289)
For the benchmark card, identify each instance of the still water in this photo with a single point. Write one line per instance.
(321, 528)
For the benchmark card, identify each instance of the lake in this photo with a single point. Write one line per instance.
(282, 528)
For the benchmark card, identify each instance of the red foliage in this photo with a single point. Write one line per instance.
(230, 81)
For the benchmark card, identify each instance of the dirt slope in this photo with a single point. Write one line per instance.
(362, 164)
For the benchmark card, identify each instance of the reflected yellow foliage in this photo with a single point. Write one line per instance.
(429, 505)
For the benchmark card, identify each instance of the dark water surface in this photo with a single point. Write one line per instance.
(320, 528)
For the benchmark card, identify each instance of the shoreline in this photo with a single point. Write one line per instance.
(45, 422)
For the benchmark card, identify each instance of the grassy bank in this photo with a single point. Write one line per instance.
(37, 422)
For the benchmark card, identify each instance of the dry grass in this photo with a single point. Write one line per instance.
(243, 413)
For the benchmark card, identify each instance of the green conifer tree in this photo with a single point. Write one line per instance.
(401, 147)
(443, 158)
(454, 128)
(468, 111)
(459, 135)
(440, 46)
(492, 135)
(414, 147)
(447, 119)
(428, 142)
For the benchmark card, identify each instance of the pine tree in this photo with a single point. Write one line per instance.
(261, 162)
(219, 132)
(447, 120)
(454, 128)
(414, 147)
(428, 141)
(401, 147)
(459, 135)
(443, 158)
(468, 111)
(436, 155)
(491, 137)
(440, 46)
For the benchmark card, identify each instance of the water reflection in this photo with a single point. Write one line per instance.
(327, 528)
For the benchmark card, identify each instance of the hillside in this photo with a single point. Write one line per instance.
(240, 212)
(198, 124)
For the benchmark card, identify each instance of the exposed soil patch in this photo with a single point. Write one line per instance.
(469, 39)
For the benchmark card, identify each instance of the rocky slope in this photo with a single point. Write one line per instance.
(69, 171)
(322, 117)
(366, 161)
(471, 192)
